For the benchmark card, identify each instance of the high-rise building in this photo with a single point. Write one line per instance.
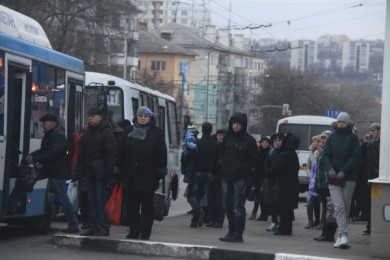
(303, 54)
(159, 12)
(356, 56)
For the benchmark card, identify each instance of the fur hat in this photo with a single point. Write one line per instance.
(144, 111)
(343, 116)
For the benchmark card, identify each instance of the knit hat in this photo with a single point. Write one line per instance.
(144, 111)
(191, 128)
(343, 116)
(48, 117)
(326, 133)
(265, 139)
(277, 136)
(207, 128)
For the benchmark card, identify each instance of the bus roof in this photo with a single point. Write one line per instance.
(23, 27)
(33, 51)
(307, 119)
(102, 78)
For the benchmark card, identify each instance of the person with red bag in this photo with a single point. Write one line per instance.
(142, 163)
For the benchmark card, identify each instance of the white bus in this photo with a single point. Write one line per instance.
(304, 127)
(120, 100)
(34, 80)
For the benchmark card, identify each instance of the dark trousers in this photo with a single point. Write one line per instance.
(197, 193)
(216, 212)
(286, 219)
(140, 212)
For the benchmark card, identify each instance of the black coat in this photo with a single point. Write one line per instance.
(285, 170)
(52, 154)
(97, 144)
(239, 151)
(144, 162)
(206, 156)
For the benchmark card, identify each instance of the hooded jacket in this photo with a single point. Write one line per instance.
(239, 151)
(285, 171)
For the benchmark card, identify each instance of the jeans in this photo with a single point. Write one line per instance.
(233, 201)
(197, 191)
(61, 192)
(97, 196)
(341, 197)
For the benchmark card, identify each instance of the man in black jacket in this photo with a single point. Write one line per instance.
(205, 161)
(239, 159)
(96, 161)
(52, 157)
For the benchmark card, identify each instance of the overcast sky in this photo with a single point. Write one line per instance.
(301, 19)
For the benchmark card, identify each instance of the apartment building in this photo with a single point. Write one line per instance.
(303, 54)
(355, 56)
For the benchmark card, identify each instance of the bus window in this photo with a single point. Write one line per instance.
(2, 88)
(162, 119)
(144, 99)
(135, 104)
(114, 103)
(174, 139)
(48, 96)
(154, 107)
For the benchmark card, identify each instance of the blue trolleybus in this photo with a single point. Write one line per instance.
(34, 80)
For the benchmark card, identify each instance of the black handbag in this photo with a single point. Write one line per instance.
(158, 206)
(27, 176)
(251, 194)
(270, 195)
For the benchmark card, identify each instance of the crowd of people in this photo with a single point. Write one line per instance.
(339, 167)
(220, 170)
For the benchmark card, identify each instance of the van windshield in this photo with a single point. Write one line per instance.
(304, 132)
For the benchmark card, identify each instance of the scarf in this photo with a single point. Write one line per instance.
(139, 131)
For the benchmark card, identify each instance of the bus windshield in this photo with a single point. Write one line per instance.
(114, 101)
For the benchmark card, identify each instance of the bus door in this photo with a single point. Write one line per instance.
(14, 139)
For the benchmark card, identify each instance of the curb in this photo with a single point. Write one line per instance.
(149, 248)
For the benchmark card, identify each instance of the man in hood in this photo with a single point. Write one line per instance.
(238, 160)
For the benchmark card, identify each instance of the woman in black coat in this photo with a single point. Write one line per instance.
(144, 162)
(285, 172)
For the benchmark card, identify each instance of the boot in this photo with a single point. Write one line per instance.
(310, 217)
(317, 211)
(322, 220)
(253, 216)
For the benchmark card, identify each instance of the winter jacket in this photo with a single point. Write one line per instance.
(97, 153)
(342, 153)
(144, 162)
(52, 154)
(373, 148)
(285, 170)
(207, 155)
(239, 151)
(321, 174)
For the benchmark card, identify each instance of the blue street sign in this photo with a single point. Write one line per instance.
(332, 112)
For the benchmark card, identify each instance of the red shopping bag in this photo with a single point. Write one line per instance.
(114, 205)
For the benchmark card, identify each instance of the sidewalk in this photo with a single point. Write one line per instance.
(174, 237)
